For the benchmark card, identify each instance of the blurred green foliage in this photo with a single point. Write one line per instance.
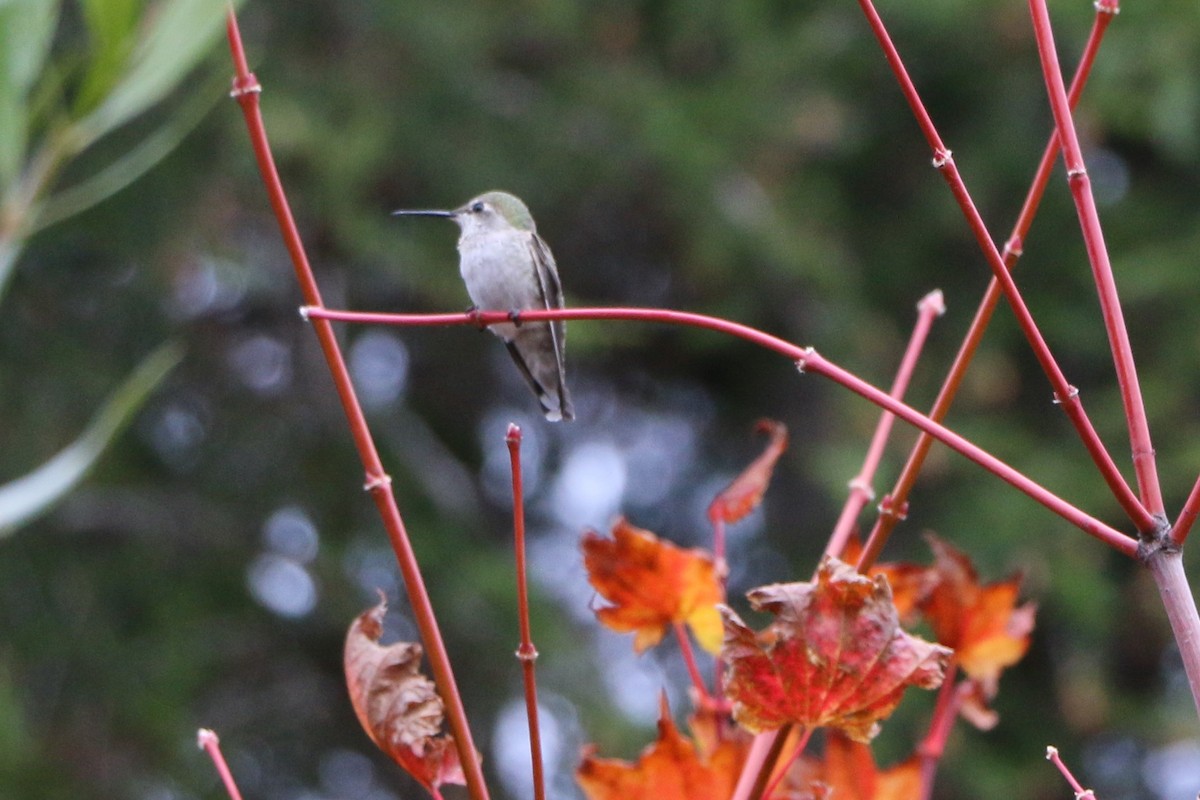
(753, 160)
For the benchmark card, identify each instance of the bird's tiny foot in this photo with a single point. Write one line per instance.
(515, 316)
(476, 317)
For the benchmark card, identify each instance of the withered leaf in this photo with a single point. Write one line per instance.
(652, 585)
(398, 707)
(835, 655)
(745, 492)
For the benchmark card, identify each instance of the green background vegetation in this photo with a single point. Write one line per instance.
(749, 159)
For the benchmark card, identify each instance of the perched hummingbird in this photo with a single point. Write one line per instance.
(507, 267)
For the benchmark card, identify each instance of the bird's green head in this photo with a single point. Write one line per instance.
(494, 210)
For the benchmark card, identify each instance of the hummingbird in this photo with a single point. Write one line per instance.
(507, 266)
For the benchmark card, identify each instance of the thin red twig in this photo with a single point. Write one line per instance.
(1064, 394)
(760, 764)
(931, 306)
(1080, 792)
(781, 770)
(945, 712)
(894, 505)
(1106, 287)
(246, 90)
(689, 660)
(1187, 516)
(806, 358)
(209, 742)
(526, 653)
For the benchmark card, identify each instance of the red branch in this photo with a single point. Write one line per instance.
(246, 90)
(527, 654)
(1064, 394)
(893, 507)
(1093, 238)
(931, 306)
(209, 742)
(806, 359)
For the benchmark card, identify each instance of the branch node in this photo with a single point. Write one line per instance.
(1110, 7)
(1014, 247)
(378, 482)
(935, 300)
(527, 653)
(1076, 173)
(802, 361)
(1158, 540)
(243, 86)
(858, 484)
(304, 311)
(942, 158)
(888, 508)
(1072, 393)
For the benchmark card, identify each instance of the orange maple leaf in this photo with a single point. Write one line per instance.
(745, 492)
(835, 655)
(982, 623)
(652, 585)
(672, 768)
(397, 706)
(849, 770)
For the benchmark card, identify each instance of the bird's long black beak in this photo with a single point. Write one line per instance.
(422, 213)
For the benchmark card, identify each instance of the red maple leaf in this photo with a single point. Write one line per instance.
(835, 655)
(652, 585)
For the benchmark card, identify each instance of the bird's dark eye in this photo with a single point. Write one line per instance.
(477, 207)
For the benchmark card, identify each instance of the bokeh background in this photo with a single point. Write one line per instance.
(752, 160)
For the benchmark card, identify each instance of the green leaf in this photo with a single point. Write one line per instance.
(130, 166)
(176, 36)
(26, 30)
(33, 494)
(112, 27)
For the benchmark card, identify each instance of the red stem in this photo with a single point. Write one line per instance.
(1064, 393)
(759, 764)
(689, 660)
(892, 510)
(806, 359)
(246, 90)
(211, 744)
(931, 306)
(527, 654)
(1187, 517)
(932, 747)
(781, 770)
(1080, 793)
(1093, 237)
(1166, 564)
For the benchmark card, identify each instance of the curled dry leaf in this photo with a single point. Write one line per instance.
(398, 707)
(835, 655)
(744, 494)
(652, 585)
(672, 768)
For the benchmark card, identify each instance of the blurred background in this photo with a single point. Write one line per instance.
(195, 555)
